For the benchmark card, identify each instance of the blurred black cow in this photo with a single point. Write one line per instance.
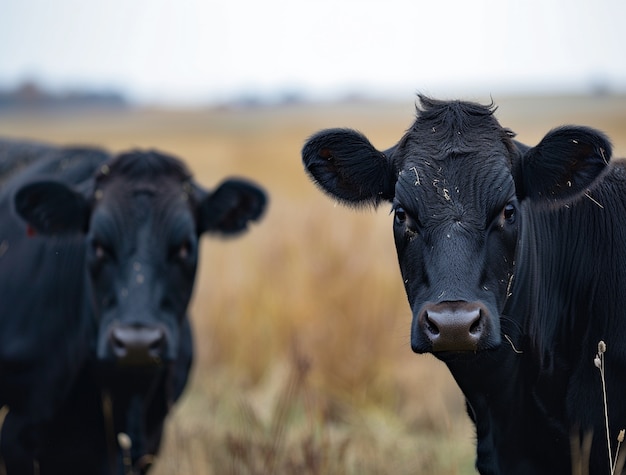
(513, 263)
(98, 258)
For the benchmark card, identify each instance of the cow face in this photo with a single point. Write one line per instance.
(142, 219)
(458, 184)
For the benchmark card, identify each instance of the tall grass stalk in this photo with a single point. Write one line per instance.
(620, 458)
(599, 363)
(125, 443)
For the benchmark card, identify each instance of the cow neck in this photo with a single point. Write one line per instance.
(552, 284)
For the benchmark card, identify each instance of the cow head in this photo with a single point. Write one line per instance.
(142, 217)
(458, 184)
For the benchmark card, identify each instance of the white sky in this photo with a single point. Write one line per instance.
(187, 51)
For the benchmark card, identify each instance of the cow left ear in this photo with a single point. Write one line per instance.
(52, 207)
(564, 164)
(230, 208)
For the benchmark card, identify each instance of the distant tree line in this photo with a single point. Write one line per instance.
(30, 95)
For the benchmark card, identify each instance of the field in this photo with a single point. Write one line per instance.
(303, 363)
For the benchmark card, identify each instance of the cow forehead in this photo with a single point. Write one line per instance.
(157, 193)
(122, 207)
(456, 186)
(468, 169)
(140, 173)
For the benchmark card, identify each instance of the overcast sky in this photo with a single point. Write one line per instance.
(191, 51)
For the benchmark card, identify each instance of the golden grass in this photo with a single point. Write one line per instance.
(302, 327)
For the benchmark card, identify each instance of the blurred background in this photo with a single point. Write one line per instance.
(301, 326)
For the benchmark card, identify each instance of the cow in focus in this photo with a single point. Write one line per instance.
(98, 262)
(512, 258)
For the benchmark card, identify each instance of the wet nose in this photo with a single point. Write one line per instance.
(454, 326)
(137, 344)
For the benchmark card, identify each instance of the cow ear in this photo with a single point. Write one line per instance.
(230, 208)
(51, 207)
(347, 166)
(564, 164)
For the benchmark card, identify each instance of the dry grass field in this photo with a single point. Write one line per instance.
(303, 363)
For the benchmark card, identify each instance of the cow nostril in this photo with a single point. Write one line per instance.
(477, 325)
(118, 344)
(431, 326)
(156, 345)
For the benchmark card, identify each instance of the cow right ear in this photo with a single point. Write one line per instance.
(51, 207)
(346, 165)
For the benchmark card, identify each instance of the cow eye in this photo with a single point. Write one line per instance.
(181, 251)
(509, 213)
(400, 215)
(184, 250)
(405, 220)
(101, 251)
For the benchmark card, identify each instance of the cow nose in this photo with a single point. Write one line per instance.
(137, 344)
(454, 326)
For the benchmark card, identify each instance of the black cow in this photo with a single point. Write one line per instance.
(512, 259)
(96, 275)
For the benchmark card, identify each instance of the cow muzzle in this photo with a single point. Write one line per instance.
(451, 326)
(137, 345)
